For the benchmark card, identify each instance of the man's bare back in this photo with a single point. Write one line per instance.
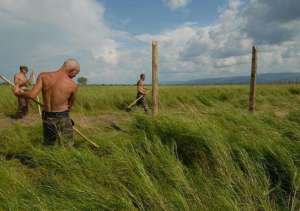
(58, 91)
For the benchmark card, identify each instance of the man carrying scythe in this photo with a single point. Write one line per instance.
(58, 91)
(141, 93)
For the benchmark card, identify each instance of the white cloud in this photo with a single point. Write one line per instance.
(72, 21)
(224, 48)
(44, 33)
(175, 4)
(212, 50)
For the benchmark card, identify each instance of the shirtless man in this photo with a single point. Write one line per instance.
(141, 91)
(21, 80)
(58, 91)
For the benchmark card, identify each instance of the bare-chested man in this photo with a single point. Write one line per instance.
(58, 91)
(141, 91)
(21, 80)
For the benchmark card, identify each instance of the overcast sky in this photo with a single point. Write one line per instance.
(112, 38)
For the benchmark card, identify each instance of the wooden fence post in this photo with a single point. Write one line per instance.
(253, 80)
(154, 78)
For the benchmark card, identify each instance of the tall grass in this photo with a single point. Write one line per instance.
(203, 152)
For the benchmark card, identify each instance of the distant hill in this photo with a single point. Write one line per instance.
(265, 78)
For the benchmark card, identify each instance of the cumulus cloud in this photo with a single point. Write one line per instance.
(195, 51)
(44, 33)
(272, 22)
(175, 4)
(69, 22)
(224, 48)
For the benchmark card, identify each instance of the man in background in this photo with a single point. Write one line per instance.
(21, 80)
(141, 92)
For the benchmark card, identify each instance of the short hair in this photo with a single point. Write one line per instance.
(71, 60)
(23, 67)
(142, 75)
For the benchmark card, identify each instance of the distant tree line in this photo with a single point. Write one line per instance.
(82, 81)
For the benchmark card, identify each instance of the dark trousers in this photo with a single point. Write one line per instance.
(57, 126)
(22, 107)
(142, 102)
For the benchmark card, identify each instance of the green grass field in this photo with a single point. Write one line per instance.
(204, 151)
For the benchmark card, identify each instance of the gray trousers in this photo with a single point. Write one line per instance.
(142, 102)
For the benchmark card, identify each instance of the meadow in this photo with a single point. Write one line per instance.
(204, 151)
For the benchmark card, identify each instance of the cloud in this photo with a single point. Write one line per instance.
(197, 51)
(273, 21)
(175, 4)
(224, 48)
(69, 22)
(44, 33)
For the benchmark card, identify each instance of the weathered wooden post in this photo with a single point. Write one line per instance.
(253, 80)
(154, 78)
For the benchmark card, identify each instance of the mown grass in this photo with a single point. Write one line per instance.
(203, 151)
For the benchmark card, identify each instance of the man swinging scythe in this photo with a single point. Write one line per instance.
(58, 91)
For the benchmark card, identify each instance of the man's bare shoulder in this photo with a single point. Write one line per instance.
(46, 75)
(74, 84)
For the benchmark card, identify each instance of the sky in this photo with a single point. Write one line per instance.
(112, 38)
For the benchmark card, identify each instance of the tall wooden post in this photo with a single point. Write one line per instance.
(154, 78)
(253, 80)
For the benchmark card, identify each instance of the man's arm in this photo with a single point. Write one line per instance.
(72, 98)
(33, 93)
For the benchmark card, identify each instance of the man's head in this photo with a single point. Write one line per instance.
(71, 67)
(24, 69)
(142, 76)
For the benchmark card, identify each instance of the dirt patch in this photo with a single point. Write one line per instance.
(88, 121)
(6, 121)
(105, 121)
(110, 120)
(281, 114)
